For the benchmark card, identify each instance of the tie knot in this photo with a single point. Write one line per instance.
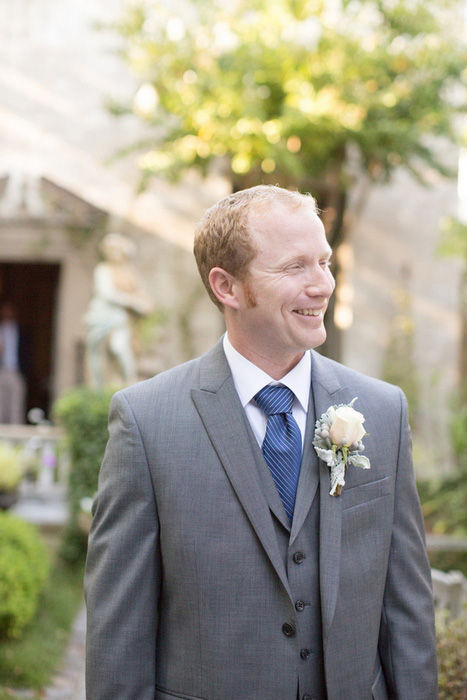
(275, 399)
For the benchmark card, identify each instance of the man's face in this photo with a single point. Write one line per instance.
(283, 299)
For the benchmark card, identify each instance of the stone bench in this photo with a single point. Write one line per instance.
(449, 591)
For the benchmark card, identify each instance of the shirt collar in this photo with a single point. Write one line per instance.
(249, 379)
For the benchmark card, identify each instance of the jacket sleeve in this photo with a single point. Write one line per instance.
(407, 637)
(122, 579)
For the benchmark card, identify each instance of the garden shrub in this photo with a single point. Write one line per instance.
(83, 412)
(443, 505)
(11, 472)
(24, 568)
(452, 659)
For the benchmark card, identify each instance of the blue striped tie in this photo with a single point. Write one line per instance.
(282, 445)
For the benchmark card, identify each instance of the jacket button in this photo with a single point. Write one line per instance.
(299, 605)
(298, 557)
(288, 629)
(305, 654)
(307, 697)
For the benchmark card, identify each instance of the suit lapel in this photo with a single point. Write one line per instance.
(309, 475)
(225, 422)
(327, 392)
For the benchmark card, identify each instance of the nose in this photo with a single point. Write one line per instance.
(321, 282)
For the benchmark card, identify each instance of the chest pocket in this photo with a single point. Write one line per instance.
(364, 493)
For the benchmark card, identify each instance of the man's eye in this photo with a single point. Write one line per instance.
(325, 264)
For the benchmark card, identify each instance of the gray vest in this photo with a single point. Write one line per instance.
(302, 566)
(301, 562)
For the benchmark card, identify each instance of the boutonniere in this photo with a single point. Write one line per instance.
(338, 442)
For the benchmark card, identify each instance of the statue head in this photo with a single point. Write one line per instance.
(117, 248)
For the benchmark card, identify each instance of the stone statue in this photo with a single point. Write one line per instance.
(118, 296)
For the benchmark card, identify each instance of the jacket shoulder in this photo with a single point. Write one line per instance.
(176, 381)
(358, 381)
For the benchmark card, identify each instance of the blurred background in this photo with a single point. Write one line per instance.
(133, 118)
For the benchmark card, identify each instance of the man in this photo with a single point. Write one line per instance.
(12, 384)
(212, 574)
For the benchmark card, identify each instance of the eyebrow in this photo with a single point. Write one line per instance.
(327, 253)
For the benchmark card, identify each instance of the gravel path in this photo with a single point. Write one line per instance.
(68, 684)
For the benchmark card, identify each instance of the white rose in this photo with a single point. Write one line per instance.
(347, 426)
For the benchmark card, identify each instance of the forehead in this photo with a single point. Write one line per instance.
(282, 230)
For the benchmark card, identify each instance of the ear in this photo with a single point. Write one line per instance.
(225, 287)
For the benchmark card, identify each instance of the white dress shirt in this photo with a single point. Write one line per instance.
(249, 379)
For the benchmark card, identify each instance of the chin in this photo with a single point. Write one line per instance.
(317, 340)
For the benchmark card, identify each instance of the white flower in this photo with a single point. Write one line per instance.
(347, 426)
(338, 442)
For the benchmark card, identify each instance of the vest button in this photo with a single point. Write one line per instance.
(298, 557)
(305, 654)
(299, 605)
(288, 629)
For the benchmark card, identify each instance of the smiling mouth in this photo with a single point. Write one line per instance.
(308, 312)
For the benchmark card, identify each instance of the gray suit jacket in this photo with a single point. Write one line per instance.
(186, 587)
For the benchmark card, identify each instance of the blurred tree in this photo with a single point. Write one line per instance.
(399, 365)
(454, 244)
(321, 95)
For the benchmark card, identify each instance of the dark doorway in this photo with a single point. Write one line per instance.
(32, 288)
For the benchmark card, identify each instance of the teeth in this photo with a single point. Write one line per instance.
(309, 312)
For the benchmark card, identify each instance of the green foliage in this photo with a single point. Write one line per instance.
(452, 659)
(453, 238)
(399, 365)
(84, 413)
(30, 661)
(454, 244)
(443, 504)
(443, 500)
(458, 427)
(283, 89)
(23, 571)
(448, 561)
(11, 471)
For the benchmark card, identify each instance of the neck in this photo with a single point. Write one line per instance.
(277, 367)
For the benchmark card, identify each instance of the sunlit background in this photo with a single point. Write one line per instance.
(135, 117)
